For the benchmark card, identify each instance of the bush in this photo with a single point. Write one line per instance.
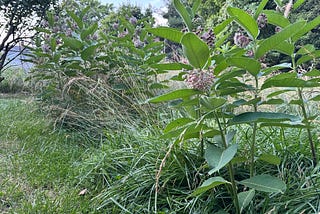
(14, 81)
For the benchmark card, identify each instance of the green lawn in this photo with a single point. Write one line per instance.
(38, 166)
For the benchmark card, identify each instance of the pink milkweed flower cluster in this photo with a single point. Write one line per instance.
(241, 40)
(262, 20)
(199, 79)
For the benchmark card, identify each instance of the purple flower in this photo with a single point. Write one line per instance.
(123, 34)
(115, 25)
(241, 40)
(262, 20)
(45, 48)
(133, 20)
(199, 79)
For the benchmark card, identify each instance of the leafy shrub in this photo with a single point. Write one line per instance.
(14, 81)
(93, 74)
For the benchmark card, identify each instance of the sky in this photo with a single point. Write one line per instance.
(142, 3)
(158, 7)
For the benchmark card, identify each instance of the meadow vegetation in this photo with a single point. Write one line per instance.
(232, 131)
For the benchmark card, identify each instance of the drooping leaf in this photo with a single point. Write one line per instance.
(251, 117)
(265, 183)
(297, 4)
(289, 82)
(89, 52)
(195, 6)
(308, 57)
(305, 29)
(276, 18)
(223, 159)
(272, 159)
(209, 184)
(171, 66)
(306, 49)
(73, 43)
(251, 65)
(176, 94)
(245, 21)
(183, 13)
(245, 198)
(177, 123)
(276, 93)
(261, 6)
(75, 18)
(196, 51)
(167, 33)
(273, 41)
(285, 48)
(89, 31)
(212, 103)
(220, 27)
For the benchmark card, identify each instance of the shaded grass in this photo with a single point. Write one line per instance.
(37, 172)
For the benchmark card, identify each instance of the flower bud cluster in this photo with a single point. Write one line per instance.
(199, 79)
(241, 40)
(262, 20)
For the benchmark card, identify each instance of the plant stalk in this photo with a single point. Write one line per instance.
(305, 117)
(230, 167)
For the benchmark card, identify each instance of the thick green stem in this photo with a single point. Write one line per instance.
(230, 168)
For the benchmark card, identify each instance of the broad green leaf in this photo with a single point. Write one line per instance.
(89, 52)
(73, 43)
(213, 153)
(285, 48)
(171, 66)
(183, 13)
(272, 159)
(89, 31)
(220, 27)
(313, 73)
(289, 82)
(275, 40)
(307, 28)
(212, 103)
(84, 11)
(209, 184)
(75, 18)
(306, 58)
(251, 65)
(265, 183)
(245, 21)
(167, 33)
(276, 18)
(316, 98)
(276, 93)
(261, 6)
(195, 6)
(177, 123)
(223, 159)
(306, 49)
(176, 94)
(196, 51)
(192, 130)
(267, 71)
(155, 59)
(272, 102)
(251, 117)
(298, 3)
(245, 198)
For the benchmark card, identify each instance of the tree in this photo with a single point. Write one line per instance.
(17, 23)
